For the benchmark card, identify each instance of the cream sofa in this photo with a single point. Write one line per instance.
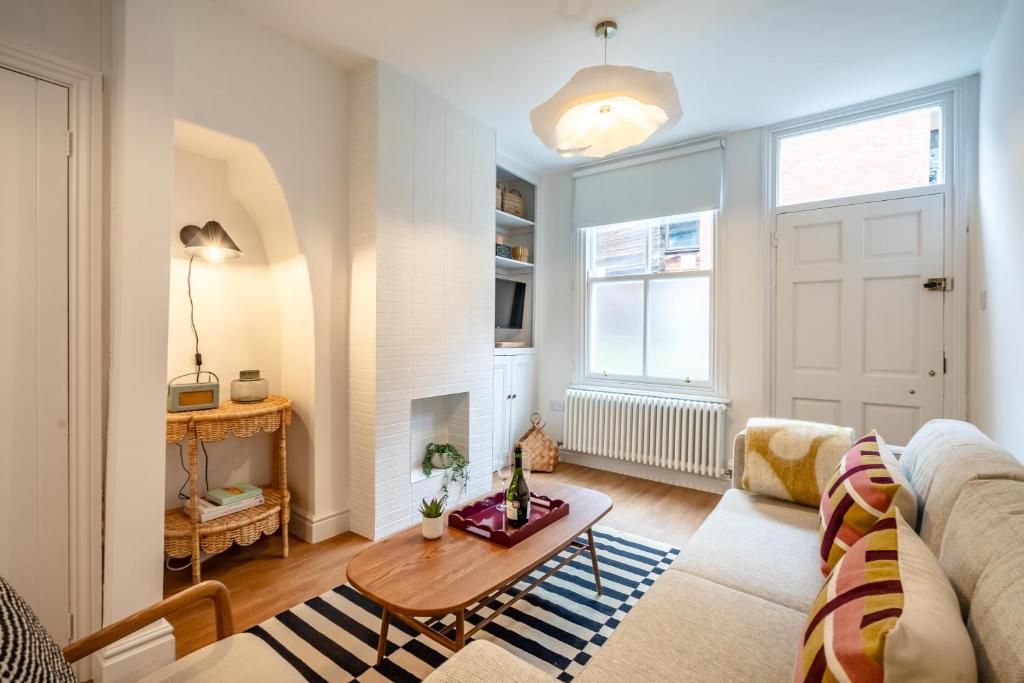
(733, 605)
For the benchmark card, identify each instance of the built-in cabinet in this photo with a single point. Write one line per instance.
(516, 234)
(515, 395)
(515, 355)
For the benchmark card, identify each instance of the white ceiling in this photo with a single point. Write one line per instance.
(737, 63)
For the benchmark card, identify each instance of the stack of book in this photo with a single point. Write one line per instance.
(228, 500)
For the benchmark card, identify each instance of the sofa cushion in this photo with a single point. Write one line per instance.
(941, 458)
(867, 482)
(688, 629)
(986, 527)
(484, 661)
(27, 652)
(983, 555)
(242, 657)
(887, 612)
(790, 459)
(758, 545)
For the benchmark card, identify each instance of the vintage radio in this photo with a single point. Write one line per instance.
(193, 395)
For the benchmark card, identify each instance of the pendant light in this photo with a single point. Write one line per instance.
(605, 109)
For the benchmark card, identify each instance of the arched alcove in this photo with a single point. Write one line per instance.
(254, 312)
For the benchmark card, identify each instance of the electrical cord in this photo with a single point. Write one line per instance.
(181, 459)
(183, 496)
(192, 319)
(206, 469)
(207, 463)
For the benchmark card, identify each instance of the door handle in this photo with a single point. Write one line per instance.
(938, 284)
(513, 395)
(509, 397)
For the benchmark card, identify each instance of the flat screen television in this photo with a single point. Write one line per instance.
(509, 299)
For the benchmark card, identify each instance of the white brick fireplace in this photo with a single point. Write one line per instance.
(422, 309)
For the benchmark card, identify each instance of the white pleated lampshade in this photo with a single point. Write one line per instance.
(605, 109)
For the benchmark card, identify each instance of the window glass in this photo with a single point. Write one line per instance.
(649, 285)
(672, 244)
(617, 328)
(620, 249)
(679, 329)
(893, 152)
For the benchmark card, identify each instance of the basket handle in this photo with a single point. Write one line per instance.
(537, 421)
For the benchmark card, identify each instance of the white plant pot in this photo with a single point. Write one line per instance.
(433, 527)
(440, 461)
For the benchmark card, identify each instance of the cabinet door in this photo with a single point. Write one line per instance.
(523, 394)
(502, 405)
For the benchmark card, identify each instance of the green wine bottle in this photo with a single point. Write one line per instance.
(517, 498)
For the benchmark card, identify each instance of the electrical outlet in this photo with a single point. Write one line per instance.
(557, 406)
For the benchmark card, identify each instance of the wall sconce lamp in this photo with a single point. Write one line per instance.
(210, 242)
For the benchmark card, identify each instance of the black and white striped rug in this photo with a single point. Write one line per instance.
(557, 627)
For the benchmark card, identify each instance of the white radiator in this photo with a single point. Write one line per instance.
(687, 436)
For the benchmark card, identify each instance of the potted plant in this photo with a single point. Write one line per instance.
(446, 457)
(433, 523)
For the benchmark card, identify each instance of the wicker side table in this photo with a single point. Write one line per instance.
(186, 536)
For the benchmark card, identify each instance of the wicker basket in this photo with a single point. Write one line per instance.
(512, 202)
(538, 447)
(499, 193)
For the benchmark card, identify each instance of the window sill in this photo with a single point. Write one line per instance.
(660, 392)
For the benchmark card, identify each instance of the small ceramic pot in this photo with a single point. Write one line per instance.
(433, 527)
(440, 461)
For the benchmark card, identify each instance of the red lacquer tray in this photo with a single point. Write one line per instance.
(483, 518)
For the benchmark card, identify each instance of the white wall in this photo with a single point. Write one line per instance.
(69, 29)
(741, 286)
(236, 315)
(423, 175)
(141, 110)
(239, 78)
(997, 332)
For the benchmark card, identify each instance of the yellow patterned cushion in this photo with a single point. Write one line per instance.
(792, 460)
(867, 482)
(886, 613)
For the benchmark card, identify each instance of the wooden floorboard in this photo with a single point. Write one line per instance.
(262, 583)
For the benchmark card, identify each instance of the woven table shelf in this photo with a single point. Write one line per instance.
(186, 536)
(244, 528)
(231, 419)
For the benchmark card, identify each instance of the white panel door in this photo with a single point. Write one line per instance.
(34, 521)
(858, 336)
(502, 406)
(523, 399)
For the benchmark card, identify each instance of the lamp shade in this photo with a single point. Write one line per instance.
(211, 242)
(605, 109)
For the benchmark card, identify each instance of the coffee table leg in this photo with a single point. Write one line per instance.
(382, 644)
(593, 559)
(460, 630)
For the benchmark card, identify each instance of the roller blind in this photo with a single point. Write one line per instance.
(661, 184)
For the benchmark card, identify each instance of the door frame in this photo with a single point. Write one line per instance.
(960, 110)
(86, 365)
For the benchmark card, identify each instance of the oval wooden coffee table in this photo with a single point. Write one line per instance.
(461, 573)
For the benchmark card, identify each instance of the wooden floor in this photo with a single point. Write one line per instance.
(262, 583)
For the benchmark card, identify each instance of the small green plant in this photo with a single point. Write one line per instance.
(432, 508)
(456, 467)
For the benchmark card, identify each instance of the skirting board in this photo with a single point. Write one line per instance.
(311, 530)
(684, 479)
(137, 655)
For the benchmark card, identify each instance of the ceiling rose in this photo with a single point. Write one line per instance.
(605, 109)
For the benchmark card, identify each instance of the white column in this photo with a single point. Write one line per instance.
(141, 104)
